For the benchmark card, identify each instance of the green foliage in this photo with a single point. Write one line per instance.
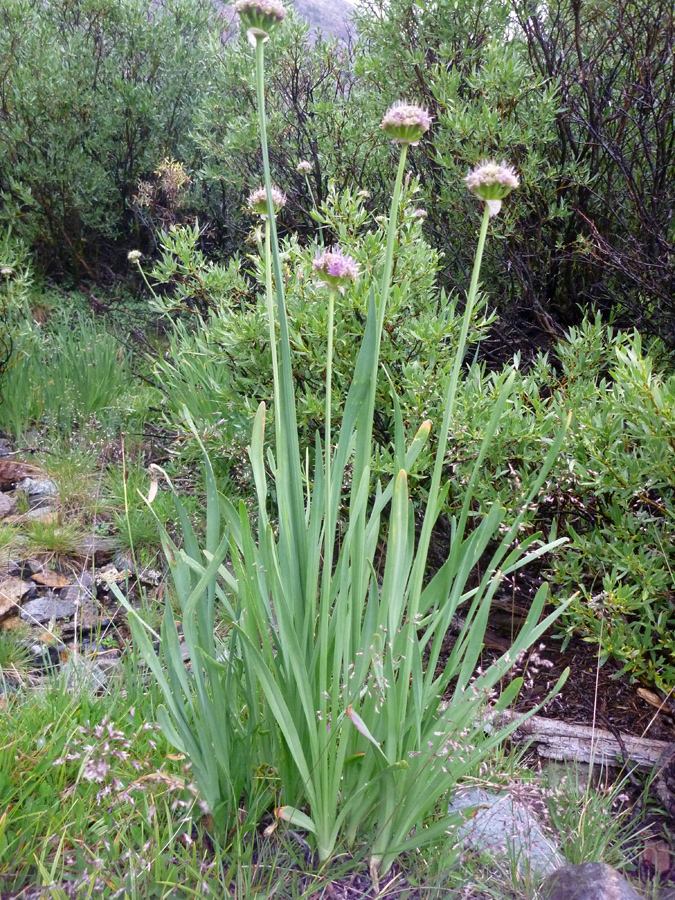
(218, 364)
(467, 63)
(95, 96)
(611, 491)
(321, 677)
(65, 374)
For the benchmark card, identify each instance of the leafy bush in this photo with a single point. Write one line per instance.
(219, 365)
(95, 96)
(611, 491)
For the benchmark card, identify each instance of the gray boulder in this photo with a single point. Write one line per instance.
(501, 826)
(589, 881)
(46, 608)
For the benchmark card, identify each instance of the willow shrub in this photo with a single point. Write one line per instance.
(219, 364)
(330, 675)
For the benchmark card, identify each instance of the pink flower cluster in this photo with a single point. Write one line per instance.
(336, 268)
(405, 123)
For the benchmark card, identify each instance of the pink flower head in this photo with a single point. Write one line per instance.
(405, 123)
(492, 183)
(260, 17)
(337, 268)
(304, 167)
(257, 200)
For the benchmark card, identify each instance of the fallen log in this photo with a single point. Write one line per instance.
(564, 741)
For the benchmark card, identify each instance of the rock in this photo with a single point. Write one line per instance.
(501, 825)
(148, 577)
(45, 514)
(589, 881)
(98, 547)
(80, 674)
(109, 574)
(5, 448)
(51, 579)
(12, 623)
(47, 656)
(109, 661)
(46, 608)
(7, 505)
(38, 489)
(12, 590)
(12, 471)
(76, 593)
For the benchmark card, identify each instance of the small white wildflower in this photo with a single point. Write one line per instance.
(134, 255)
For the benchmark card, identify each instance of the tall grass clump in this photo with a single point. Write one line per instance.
(329, 696)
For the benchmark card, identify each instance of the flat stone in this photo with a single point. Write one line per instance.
(76, 593)
(98, 547)
(38, 487)
(588, 881)
(12, 590)
(7, 505)
(13, 471)
(47, 515)
(502, 826)
(46, 608)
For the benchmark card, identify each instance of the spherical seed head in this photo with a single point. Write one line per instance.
(257, 200)
(303, 167)
(260, 17)
(337, 268)
(405, 123)
(134, 255)
(492, 182)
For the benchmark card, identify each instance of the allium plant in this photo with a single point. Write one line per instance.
(332, 676)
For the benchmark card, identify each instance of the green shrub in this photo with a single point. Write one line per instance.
(218, 364)
(95, 96)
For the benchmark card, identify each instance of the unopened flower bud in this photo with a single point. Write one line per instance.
(405, 124)
(134, 255)
(492, 183)
(260, 17)
(335, 267)
(303, 167)
(257, 200)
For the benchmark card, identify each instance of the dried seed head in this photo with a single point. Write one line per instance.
(260, 17)
(405, 123)
(257, 200)
(336, 268)
(492, 183)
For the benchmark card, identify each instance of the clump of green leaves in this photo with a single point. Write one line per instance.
(219, 365)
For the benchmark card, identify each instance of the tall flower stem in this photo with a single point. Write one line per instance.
(291, 501)
(363, 452)
(269, 296)
(449, 407)
(392, 227)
